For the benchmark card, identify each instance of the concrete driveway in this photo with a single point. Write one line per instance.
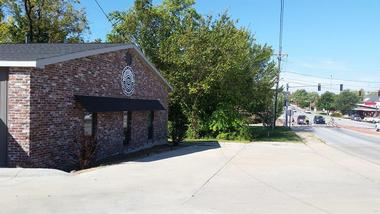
(209, 178)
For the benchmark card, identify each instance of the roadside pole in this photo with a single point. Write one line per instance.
(279, 64)
(286, 105)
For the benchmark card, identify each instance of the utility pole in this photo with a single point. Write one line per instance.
(279, 58)
(286, 104)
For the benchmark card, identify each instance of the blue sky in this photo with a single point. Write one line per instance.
(322, 38)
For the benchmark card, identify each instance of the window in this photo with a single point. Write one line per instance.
(90, 120)
(150, 124)
(127, 127)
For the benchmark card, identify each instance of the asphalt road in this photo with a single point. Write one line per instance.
(363, 146)
(347, 122)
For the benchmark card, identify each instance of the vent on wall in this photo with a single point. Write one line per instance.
(128, 59)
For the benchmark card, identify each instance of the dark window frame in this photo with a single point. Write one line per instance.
(4, 76)
(150, 125)
(94, 124)
(127, 127)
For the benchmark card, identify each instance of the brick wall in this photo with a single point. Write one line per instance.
(56, 119)
(18, 116)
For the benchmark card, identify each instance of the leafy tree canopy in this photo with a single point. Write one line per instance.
(217, 70)
(304, 99)
(327, 101)
(42, 20)
(346, 101)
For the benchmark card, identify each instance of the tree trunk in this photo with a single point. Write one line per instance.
(28, 11)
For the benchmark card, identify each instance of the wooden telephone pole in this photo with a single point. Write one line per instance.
(279, 58)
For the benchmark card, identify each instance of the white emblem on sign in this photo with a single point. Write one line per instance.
(128, 81)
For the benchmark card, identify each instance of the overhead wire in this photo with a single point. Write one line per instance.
(104, 13)
(329, 78)
(131, 37)
(326, 81)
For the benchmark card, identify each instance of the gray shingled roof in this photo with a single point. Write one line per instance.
(31, 52)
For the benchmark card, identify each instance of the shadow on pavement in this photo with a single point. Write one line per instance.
(161, 152)
(302, 128)
(184, 149)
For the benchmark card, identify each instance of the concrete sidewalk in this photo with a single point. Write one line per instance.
(26, 172)
(214, 178)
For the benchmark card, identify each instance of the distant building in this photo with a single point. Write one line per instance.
(372, 100)
(370, 107)
(51, 95)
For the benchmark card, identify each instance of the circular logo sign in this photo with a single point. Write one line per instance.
(128, 81)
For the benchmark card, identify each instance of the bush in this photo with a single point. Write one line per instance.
(244, 133)
(85, 150)
(177, 123)
(336, 114)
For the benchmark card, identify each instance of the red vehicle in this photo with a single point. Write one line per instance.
(302, 120)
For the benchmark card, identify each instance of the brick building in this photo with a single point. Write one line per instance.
(52, 95)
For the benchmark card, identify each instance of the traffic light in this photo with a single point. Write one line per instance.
(378, 93)
(341, 87)
(360, 93)
(319, 86)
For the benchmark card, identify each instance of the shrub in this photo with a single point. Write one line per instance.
(177, 123)
(85, 150)
(336, 114)
(244, 133)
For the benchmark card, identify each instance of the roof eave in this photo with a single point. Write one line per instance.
(41, 63)
(28, 64)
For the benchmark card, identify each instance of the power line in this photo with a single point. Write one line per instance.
(329, 78)
(104, 13)
(131, 37)
(298, 83)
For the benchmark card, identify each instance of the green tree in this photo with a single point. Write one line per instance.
(327, 101)
(214, 66)
(300, 98)
(304, 99)
(177, 123)
(346, 101)
(313, 98)
(42, 21)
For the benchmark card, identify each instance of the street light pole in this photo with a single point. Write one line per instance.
(279, 58)
(286, 105)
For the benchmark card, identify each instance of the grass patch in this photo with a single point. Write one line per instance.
(256, 134)
(279, 134)
(210, 140)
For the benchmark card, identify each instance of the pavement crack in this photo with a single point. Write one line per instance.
(214, 174)
(280, 191)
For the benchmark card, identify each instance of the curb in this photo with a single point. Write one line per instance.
(27, 172)
(364, 131)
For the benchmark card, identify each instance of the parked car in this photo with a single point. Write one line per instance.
(378, 127)
(356, 117)
(369, 119)
(376, 120)
(308, 112)
(319, 120)
(302, 120)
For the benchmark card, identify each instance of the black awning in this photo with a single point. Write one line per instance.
(112, 104)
